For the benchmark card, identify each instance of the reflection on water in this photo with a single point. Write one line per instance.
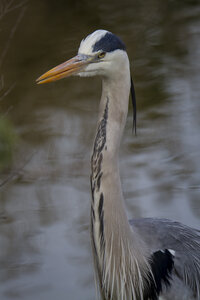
(44, 210)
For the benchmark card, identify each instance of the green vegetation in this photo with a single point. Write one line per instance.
(8, 139)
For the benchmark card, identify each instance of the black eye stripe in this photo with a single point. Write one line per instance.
(108, 43)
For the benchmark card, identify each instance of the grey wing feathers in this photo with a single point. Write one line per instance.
(185, 241)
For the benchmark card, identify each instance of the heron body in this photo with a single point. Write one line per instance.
(142, 259)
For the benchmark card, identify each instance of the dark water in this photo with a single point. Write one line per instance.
(44, 209)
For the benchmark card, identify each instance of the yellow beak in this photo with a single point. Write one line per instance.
(68, 68)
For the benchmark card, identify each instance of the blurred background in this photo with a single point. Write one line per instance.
(46, 134)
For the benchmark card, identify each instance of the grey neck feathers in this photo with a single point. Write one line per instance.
(119, 255)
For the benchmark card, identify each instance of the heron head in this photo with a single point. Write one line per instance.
(100, 53)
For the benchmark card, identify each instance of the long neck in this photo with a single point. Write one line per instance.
(105, 180)
(116, 248)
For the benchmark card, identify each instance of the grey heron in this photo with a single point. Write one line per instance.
(143, 258)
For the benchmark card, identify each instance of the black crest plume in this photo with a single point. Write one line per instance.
(134, 105)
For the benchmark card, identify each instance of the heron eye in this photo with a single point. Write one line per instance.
(101, 55)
